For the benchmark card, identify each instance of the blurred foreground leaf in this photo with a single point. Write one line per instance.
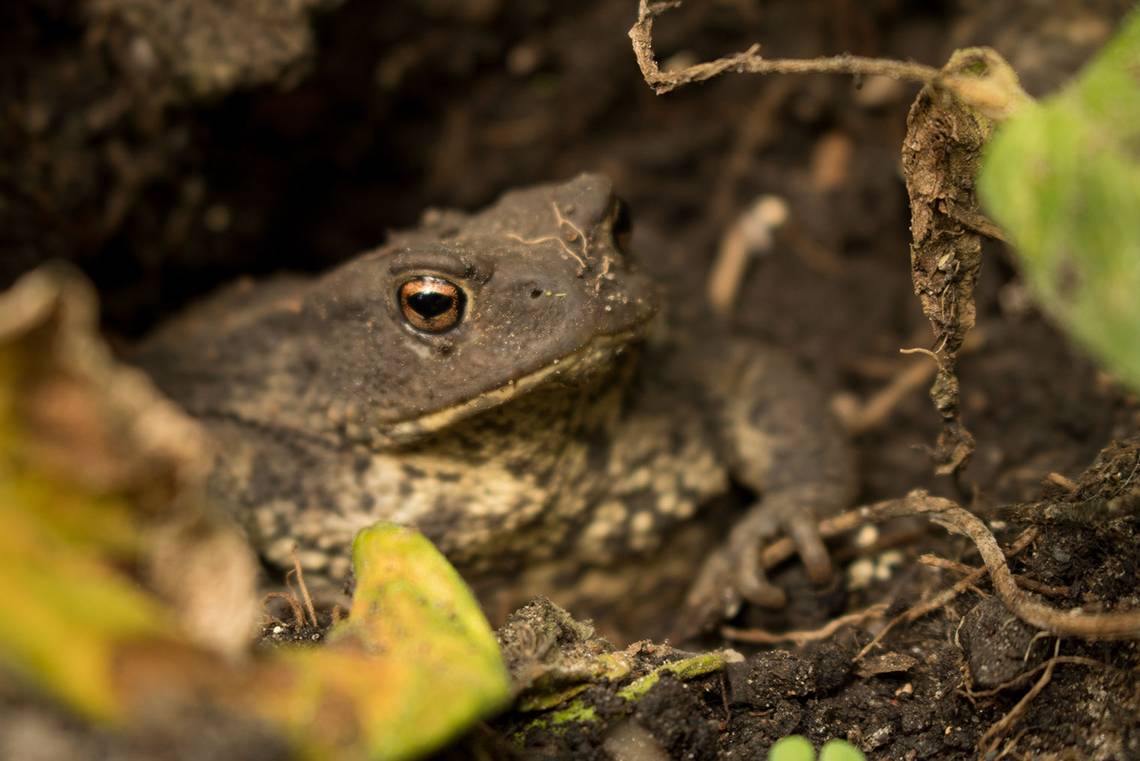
(71, 473)
(127, 600)
(416, 656)
(1063, 179)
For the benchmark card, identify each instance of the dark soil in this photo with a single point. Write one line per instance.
(164, 164)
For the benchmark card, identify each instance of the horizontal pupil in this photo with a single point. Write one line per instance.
(429, 304)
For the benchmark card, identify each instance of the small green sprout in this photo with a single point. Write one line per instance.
(797, 748)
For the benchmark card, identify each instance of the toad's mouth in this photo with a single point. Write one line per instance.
(597, 352)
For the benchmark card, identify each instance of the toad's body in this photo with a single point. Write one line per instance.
(491, 379)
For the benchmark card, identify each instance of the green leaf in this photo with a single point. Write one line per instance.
(432, 665)
(792, 748)
(840, 750)
(1063, 179)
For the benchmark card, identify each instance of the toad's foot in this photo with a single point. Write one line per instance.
(734, 572)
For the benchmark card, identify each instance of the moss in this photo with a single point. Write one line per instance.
(688, 668)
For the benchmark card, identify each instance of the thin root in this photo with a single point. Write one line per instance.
(879, 407)
(304, 588)
(552, 239)
(949, 515)
(294, 605)
(990, 740)
(968, 582)
(1022, 678)
(925, 352)
(763, 637)
(1064, 482)
(1025, 583)
(750, 61)
(576, 233)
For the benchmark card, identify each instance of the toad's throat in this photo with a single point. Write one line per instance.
(596, 353)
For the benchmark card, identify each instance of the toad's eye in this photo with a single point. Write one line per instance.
(432, 304)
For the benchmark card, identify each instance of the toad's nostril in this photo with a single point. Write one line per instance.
(535, 293)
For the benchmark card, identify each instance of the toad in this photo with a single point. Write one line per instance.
(499, 381)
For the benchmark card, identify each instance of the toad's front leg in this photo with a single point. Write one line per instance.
(784, 443)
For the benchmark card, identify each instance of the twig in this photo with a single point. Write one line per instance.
(751, 62)
(1064, 623)
(875, 411)
(920, 350)
(300, 575)
(1064, 482)
(1009, 746)
(575, 234)
(749, 235)
(941, 599)
(551, 239)
(1026, 676)
(763, 637)
(294, 605)
(1025, 583)
(1074, 622)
